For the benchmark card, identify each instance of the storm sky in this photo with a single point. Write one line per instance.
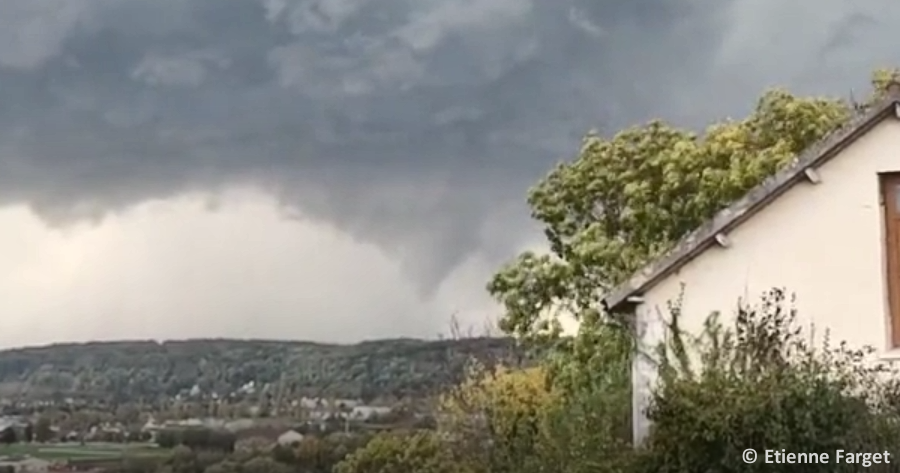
(339, 170)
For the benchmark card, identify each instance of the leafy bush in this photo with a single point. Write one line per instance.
(589, 432)
(762, 384)
(497, 419)
(401, 452)
(166, 438)
(197, 438)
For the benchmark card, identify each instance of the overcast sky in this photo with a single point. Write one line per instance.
(338, 170)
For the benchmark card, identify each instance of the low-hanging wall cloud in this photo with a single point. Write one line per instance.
(341, 169)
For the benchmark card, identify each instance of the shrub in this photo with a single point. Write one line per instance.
(167, 438)
(497, 419)
(197, 438)
(401, 452)
(761, 384)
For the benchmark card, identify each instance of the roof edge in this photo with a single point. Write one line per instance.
(699, 240)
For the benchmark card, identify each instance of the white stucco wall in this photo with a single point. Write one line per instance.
(823, 242)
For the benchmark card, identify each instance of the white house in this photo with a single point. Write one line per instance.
(368, 412)
(826, 228)
(290, 437)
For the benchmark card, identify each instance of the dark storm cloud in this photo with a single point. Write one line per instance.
(408, 123)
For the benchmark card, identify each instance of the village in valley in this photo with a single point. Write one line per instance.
(138, 406)
(75, 436)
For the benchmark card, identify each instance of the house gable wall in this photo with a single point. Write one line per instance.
(822, 242)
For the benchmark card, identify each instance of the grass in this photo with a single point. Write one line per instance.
(76, 451)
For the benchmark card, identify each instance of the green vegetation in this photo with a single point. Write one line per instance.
(421, 452)
(129, 371)
(764, 385)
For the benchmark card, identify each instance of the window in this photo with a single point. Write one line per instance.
(890, 192)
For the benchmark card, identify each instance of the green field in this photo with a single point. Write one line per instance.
(76, 451)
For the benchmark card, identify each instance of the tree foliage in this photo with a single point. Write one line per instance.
(628, 198)
(43, 429)
(197, 438)
(497, 419)
(8, 436)
(401, 452)
(123, 371)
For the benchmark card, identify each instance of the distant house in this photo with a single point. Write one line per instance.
(193, 422)
(210, 423)
(368, 412)
(27, 465)
(290, 437)
(17, 421)
(319, 404)
(106, 432)
(151, 425)
(311, 403)
(151, 428)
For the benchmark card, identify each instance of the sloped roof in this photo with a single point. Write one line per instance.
(727, 219)
(290, 436)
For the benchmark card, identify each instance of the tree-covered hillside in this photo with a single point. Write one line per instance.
(133, 370)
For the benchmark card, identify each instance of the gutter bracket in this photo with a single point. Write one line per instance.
(812, 175)
(723, 240)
